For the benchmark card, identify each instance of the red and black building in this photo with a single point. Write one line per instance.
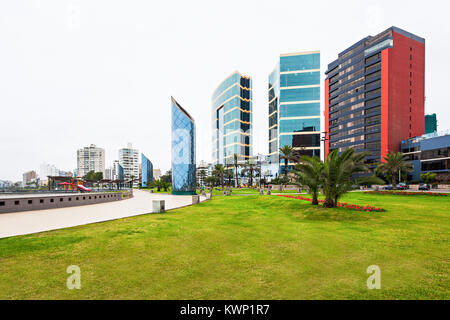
(375, 94)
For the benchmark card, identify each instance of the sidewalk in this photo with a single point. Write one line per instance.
(26, 222)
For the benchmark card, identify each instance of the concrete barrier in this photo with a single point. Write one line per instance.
(159, 206)
(22, 202)
(195, 199)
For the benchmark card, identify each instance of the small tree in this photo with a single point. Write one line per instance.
(394, 164)
(219, 172)
(308, 173)
(90, 176)
(340, 174)
(236, 165)
(98, 176)
(251, 171)
(228, 174)
(428, 177)
(287, 154)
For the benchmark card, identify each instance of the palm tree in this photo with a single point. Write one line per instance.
(219, 172)
(202, 174)
(211, 181)
(236, 165)
(287, 154)
(251, 170)
(159, 184)
(229, 175)
(338, 175)
(395, 163)
(309, 173)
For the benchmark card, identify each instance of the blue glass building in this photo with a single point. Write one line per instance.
(147, 171)
(294, 105)
(117, 171)
(183, 151)
(232, 119)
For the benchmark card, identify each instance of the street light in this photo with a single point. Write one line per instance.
(259, 163)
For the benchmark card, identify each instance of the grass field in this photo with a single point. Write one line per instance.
(251, 247)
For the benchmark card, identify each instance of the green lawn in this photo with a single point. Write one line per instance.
(236, 191)
(240, 191)
(242, 248)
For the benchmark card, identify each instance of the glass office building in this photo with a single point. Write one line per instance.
(232, 119)
(147, 171)
(183, 151)
(294, 105)
(430, 123)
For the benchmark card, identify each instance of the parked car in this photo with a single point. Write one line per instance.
(424, 187)
(388, 187)
(402, 186)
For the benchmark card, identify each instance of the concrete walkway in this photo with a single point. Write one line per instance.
(26, 222)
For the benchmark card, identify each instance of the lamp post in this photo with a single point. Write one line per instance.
(323, 139)
(258, 162)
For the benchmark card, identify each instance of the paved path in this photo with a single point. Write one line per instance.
(26, 222)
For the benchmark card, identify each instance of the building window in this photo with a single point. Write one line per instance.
(16, 202)
(30, 201)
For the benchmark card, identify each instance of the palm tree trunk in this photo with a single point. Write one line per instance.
(285, 166)
(394, 181)
(329, 203)
(314, 200)
(236, 175)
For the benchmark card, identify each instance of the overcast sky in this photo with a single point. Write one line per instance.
(78, 72)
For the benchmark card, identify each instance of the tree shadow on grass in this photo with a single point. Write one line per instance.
(318, 213)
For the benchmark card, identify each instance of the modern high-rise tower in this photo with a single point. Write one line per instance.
(294, 105)
(375, 94)
(232, 119)
(147, 171)
(184, 178)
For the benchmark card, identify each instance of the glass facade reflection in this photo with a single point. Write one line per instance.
(232, 119)
(294, 105)
(183, 151)
(147, 171)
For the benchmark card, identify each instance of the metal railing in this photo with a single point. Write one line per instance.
(22, 191)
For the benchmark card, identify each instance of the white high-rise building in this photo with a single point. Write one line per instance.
(90, 158)
(47, 170)
(156, 174)
(129, 160)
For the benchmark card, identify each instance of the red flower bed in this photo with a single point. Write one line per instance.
(340, 204)
(408, 193)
